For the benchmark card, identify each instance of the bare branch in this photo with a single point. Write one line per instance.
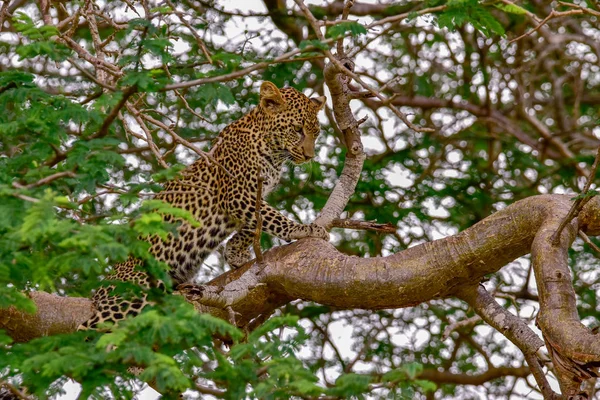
(587, 240)
(578, 10)
(237, 74)
(139, 117)
(340, 44)
(18, 394)
(579, 203)
(343, 69)
(46, 180)
(363, 225)
(95, 61)
(553, 14)
(258, 216)
(465, 323)
(207, 390)
(510, 326)
(199, 40)
(207, 156)
(103, 131)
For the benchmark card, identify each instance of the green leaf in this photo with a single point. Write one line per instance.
(348, 385)
(15, 76)
(10, 296)
(426, 386)
(168, 209)
(145, 81)
(460, 12)
(168, 174)
(511, 8)
(315, 43)
(412, 369)
(52, 50)
(339, 30)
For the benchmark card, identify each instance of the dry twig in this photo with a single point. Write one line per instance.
(199, 40)
(363, 225)
(46, 180)
(139, 118)
(469, 322)
(18, 394)
(342, 68)
(587, 240)
(103, 131)
(207, 156)
(575, 10)
(579, 203)
(258, 216)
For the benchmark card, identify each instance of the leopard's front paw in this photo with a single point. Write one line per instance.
(191, 291)
(236, 258)
(311, 230)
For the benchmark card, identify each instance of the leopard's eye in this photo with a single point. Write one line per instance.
(298, 128)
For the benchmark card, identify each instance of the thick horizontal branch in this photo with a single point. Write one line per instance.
(55, 315)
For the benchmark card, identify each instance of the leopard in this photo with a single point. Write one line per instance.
(221, 192)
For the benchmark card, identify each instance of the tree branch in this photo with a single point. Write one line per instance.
(439, 269)
(363, 225)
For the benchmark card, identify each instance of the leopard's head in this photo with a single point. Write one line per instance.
(291, 119)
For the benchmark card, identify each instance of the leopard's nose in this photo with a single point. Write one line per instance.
(308, 150)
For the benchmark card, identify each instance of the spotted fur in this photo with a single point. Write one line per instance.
(221, 195)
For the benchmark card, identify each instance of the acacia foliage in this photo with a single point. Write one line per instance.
(85, 140)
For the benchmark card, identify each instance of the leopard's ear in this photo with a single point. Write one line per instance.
(319, 101)
(270, 98)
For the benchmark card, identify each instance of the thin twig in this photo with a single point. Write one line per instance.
(103, 131)
(575, 10)
(207, 390)
(140, 120)
(363, 225)
(258, 217)
(587, 240)
(4, 13)
(19, 394)
(45, 180)
(469, 322)
(96, 40)
(207, 156)
(26, 198)
(95, 61)
(90, 76)
(182, 98)
(315, 25)
(585, 10)
(579, 203)
(340, 44)
(236, 74)
(550, 16)
(93, 196)
(199, 40)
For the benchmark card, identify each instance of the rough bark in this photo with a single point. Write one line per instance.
(55, 315)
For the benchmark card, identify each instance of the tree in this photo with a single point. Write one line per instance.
(473, 123)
